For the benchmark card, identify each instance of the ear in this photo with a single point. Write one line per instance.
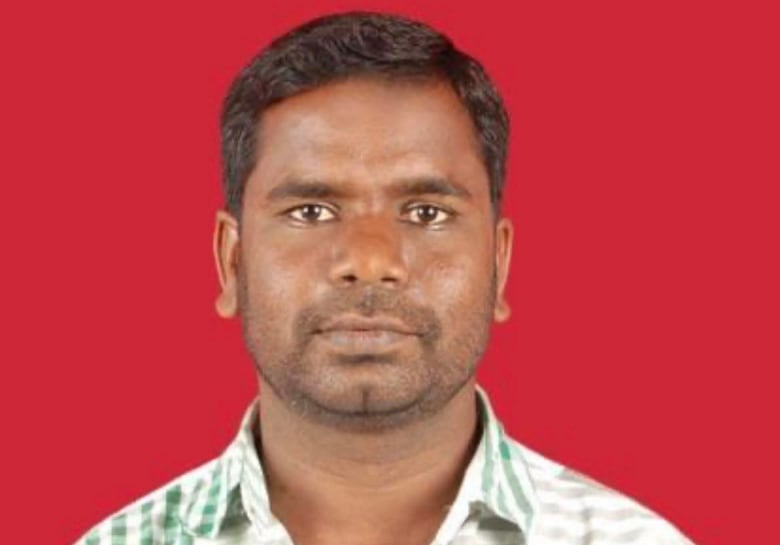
(226, 249)
(504, 237)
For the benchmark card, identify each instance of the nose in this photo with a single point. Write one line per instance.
(369, 250)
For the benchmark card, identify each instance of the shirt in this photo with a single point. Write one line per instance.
(509, 494)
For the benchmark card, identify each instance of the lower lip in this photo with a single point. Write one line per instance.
(364, 341)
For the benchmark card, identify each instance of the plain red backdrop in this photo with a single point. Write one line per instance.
(644, 289)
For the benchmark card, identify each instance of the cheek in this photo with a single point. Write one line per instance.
(446, 280)
(274, 283)
(456, 286)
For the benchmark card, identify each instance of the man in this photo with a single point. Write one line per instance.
(363, 249)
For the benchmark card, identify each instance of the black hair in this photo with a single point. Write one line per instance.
(354, 44)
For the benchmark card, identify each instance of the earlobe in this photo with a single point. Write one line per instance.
(502, 311)
(226, 247)
(226, 304)
(504, 237)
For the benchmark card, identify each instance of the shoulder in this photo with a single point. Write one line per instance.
(574, 508)
(156, 514)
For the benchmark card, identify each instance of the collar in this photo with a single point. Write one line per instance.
(496, 482)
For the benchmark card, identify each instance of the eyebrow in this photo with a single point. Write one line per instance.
(319, 189)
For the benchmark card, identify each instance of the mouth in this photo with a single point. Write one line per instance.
(365, 340)
(358, 323)
(356, 333)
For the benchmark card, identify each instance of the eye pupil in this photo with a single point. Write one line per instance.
(310, 210)
(426, 212)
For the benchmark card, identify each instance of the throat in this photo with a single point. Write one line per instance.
(346, 516)
(327, 486)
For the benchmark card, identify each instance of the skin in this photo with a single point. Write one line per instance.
(384, 433)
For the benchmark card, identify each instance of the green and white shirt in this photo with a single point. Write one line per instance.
(509, 495)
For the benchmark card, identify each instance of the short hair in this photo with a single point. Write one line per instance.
(339, 46)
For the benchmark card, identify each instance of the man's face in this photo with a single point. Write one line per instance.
(369, 200)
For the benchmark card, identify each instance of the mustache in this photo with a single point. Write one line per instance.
(368, 302)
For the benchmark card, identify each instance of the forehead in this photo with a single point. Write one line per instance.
(370, 132)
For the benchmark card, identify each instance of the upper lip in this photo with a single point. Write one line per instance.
(360, 323)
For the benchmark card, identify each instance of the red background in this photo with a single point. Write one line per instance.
(642, 184)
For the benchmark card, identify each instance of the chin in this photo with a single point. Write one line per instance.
(363, 406)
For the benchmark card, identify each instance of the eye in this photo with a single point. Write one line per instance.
(309, 213)
(428, 214)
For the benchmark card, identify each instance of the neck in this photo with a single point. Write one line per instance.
(400, 481)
